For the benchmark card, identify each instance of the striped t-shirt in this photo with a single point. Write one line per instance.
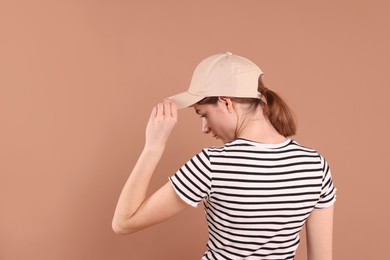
(257, 196)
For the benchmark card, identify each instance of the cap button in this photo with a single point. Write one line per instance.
(229, 53)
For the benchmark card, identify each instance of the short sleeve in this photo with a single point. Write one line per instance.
(328, 191)
(192, 182)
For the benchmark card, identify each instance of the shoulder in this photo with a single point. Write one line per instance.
(231, 146)
(321, 159)
(302, 147)
(306, 150)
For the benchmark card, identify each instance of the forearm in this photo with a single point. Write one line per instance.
(161, 122)
(135, 189)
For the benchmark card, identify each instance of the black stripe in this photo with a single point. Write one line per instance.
(262, 152)
(264, 195)
(184, 194)
(326, 201)
(268, 188)
(289, 216)
(204, 165)
(219, 232)
(264, 166)
(267, 181)
(256, 229)
(264, 202)
(266, 174)
(195, 176)
(327, 194)
(246, 222)
(262, 209)
(234, 157)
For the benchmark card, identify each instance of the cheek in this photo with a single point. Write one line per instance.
(230, 125)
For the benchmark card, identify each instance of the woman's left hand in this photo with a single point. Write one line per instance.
(161, 122)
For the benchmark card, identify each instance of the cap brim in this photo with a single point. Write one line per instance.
(185, 99)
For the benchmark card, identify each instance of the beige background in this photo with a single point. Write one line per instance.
(78, 80)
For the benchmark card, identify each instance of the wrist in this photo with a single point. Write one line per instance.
(154, 148)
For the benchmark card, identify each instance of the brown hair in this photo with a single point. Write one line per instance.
(274, 109)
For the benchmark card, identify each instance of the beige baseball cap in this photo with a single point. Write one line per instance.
(219, 75)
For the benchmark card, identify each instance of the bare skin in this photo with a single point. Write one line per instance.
(228, 120)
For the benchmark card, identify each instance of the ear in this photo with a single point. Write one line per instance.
(227, 102)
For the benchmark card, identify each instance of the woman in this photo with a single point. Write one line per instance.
(258, 189)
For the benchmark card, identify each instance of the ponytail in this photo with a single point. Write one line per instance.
(277, 111)
(274, 108)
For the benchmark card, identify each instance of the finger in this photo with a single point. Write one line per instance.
(173, 109)
(160, 109)
(167, 108)
(154, 112)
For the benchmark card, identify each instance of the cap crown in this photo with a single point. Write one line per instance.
(225, 75)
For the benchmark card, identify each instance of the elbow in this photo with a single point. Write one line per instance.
(121, 228)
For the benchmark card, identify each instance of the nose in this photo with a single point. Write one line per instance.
(205, 127)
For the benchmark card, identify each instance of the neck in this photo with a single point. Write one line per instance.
(258, 128)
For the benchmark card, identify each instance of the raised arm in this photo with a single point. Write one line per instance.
(319, 233)
(134, 211)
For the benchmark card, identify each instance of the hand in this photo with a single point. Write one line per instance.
(161, 122)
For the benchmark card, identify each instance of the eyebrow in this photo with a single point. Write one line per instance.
(197, 111)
